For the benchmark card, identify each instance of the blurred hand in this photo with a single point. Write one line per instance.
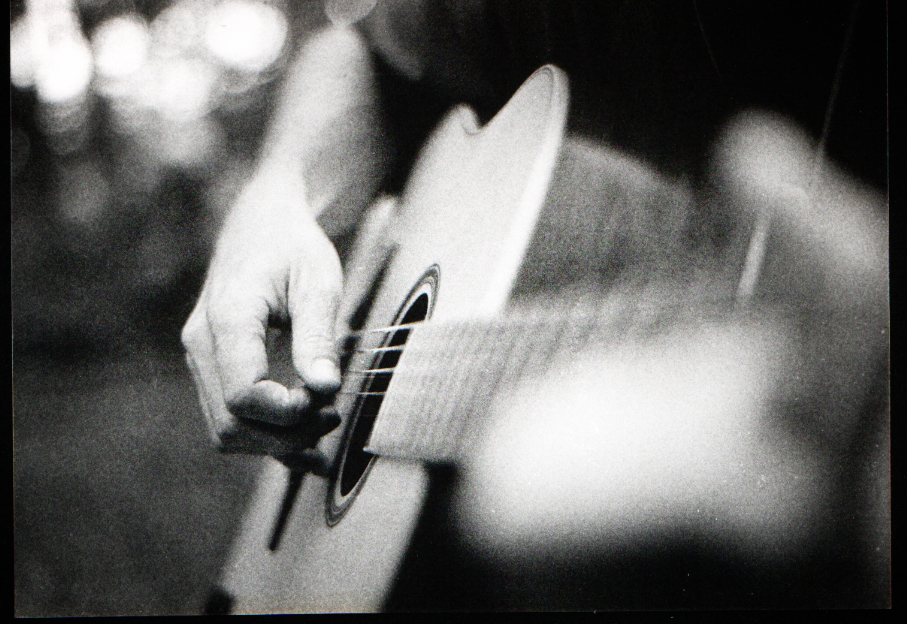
(273, 266)
(738, 432)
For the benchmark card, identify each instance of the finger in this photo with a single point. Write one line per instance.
(822, 222)
(222, 425)
(279, 442)
(306, 460)
(271, 402)
(200, 360)
(313, 304)
(238, 332)
(204, 397)
(305, 434)
(234, 434)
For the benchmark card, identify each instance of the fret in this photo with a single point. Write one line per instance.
(486, 343)
(448, 350)
(450, 373)
(450, 398)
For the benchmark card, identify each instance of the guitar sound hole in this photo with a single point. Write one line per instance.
(357, 459)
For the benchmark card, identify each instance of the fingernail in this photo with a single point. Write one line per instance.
(325, 374)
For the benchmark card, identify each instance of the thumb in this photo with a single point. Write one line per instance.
(313, 300)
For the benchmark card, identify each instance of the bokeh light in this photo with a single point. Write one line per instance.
(121, 45)
(246, 35)
(65, 72)
(62, 57)
(21, 56)
(126, 116)
(178, 28)
(183, 87)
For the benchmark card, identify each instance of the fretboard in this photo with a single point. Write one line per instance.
(450, 373)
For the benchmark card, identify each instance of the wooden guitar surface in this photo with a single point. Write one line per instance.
(467, 217)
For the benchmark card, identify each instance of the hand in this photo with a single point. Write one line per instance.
(272, 266)
(739, 433)
(320, 162)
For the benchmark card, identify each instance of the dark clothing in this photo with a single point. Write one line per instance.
(653, 79)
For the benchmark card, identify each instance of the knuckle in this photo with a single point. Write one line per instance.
(311, 337)
(192, 333)
(236, 401)
(226, 433)
(220, 317)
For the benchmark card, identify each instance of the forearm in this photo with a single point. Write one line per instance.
(326, 141)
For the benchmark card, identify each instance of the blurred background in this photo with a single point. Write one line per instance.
(132, 125)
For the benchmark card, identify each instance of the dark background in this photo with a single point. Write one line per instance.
(120, 505)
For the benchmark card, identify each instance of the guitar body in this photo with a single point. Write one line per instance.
(466, 220)
(494, 220)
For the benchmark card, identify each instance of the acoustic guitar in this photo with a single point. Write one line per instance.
(456, 292)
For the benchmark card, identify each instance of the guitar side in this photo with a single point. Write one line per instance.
(468, 215)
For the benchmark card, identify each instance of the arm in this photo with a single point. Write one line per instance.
(326, 137)
(320, 162)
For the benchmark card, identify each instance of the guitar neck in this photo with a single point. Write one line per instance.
(450, 373)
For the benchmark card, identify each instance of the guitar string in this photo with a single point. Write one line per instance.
(547, 329)
(630, 314)
(436, 370)
(755, 253)
(755, 256)
(540, 320)
(547, 333)
(377, 330)
(427, 371)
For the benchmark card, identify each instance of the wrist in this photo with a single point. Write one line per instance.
(270, 209)
(280, 178)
